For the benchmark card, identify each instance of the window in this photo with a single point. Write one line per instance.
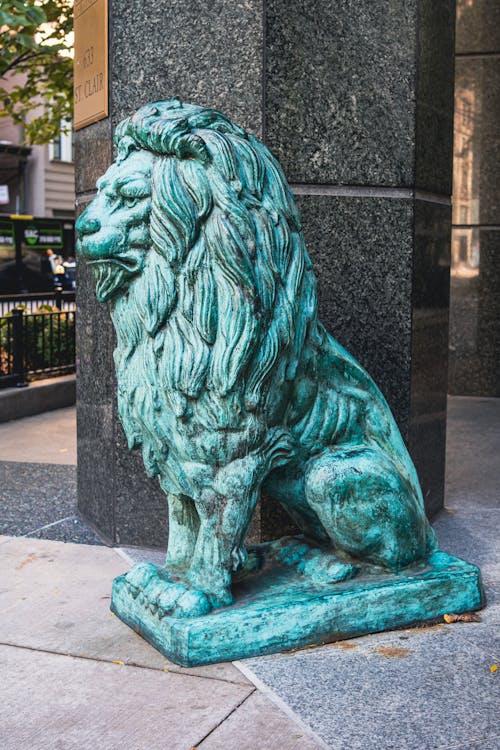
(61, 148)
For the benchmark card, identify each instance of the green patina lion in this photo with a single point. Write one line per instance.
(226, 379)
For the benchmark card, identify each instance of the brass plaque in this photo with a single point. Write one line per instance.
(91, 61)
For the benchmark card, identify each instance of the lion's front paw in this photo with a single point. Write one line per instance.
(154, 589)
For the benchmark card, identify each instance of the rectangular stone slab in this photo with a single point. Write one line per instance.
(280, 609)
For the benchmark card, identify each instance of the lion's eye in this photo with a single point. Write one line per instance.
(129, 201)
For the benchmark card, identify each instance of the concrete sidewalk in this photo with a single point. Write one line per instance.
(72, 675)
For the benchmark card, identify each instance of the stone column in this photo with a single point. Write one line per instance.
(475, 275)
(355, 100)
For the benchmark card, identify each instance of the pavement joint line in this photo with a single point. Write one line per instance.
(280, 703)
(41, 528)
(124, 664)
(225, 718)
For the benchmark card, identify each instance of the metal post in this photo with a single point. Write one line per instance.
(59, 291)
(18, 347)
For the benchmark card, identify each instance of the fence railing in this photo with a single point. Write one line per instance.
(35, 345)
(33, 300)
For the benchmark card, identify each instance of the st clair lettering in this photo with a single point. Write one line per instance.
(89, 88)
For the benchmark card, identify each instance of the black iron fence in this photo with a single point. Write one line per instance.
(36, 343)
(32, 301)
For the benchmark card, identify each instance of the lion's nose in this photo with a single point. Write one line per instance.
(87, 224)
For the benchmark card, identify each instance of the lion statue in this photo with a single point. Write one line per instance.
(227, 381)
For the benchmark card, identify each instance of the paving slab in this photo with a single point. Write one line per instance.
(259, 725)
(45, 438)
(425, 688)
(62, 702)
(55, 597)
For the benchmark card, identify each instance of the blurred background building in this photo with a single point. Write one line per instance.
(474, 347)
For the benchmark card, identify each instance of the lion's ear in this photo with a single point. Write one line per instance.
(154, 293)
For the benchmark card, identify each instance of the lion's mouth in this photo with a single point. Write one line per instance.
(112, 273)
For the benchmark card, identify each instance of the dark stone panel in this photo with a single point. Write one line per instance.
(141, 511)
(95, 389)
(93, 149)
(96, 466)
(475, 313)
(340, 90)
(203, 53)
(429, 351)
(427, 447)
(476, 197)
(95, 341)
(478, 26)
(435, 80)
(361, 249)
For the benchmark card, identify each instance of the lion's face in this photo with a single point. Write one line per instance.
(113, 231)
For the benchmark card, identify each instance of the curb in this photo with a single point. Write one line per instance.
(38, 397)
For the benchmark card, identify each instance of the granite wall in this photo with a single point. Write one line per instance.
(475, 272)
(355, 99)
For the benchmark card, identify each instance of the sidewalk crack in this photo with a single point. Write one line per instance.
(225, 718)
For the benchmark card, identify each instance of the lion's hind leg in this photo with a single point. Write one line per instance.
(370, 511)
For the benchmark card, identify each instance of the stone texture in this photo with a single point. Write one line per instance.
(339, 90)
(204, 53)
(34, 495)
(468, 532)
(141, 512)
(96, 466)
(384, 119)
(81, 704)
(93, 149)
(361, 249)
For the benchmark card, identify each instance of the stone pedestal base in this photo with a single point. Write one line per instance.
(279, 609)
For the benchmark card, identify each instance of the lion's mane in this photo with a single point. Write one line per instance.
(227, 296)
